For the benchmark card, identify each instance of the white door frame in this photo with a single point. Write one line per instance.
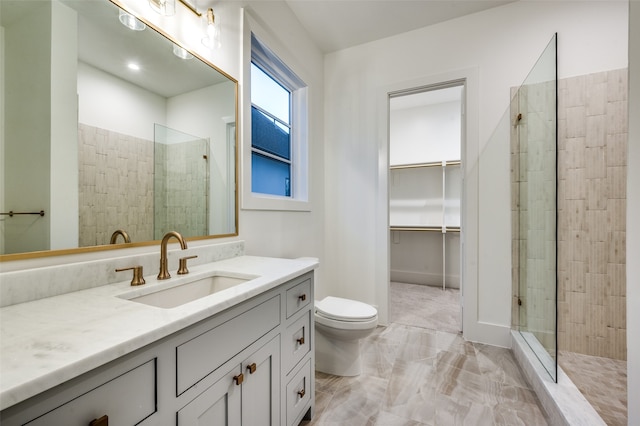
(469, 201)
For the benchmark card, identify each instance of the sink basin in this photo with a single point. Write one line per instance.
(188, 292)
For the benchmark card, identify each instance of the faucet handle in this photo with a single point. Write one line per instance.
(182, 268)
(137, 279)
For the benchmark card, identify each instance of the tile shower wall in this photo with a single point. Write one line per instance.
(182, 188)
(592, 152)
(115, 185)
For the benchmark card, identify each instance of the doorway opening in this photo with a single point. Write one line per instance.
(426, 129)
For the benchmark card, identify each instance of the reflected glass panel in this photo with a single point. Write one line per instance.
(181, 184)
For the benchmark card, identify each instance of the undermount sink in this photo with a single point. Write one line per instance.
(190, 291)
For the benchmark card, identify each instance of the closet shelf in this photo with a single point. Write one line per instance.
(424, 228)
(430, 164)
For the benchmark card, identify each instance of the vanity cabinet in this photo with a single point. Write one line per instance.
(251, 364)
(247, 393)
(125, 399)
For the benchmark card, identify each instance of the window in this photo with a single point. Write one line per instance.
(278, 127)
(270, 135)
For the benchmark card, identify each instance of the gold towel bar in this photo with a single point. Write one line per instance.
(11, 213)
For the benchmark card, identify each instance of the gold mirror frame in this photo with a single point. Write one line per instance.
(108, 247)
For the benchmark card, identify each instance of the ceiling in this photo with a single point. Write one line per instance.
(339, 24)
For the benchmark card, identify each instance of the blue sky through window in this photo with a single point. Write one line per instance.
(269, 95)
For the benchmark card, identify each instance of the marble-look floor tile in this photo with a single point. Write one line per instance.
(416, 375)
(500, 365)
(356, 402)
(602, 381)
(411, 391)
(425, 306)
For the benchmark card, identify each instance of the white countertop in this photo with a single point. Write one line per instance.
(47, 342)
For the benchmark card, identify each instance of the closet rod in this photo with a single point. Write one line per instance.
(418, 165)
(423, 228)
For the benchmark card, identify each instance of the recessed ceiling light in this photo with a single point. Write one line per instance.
(133, 66)
(130, 21)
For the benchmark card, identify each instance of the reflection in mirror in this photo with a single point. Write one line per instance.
(91, 118)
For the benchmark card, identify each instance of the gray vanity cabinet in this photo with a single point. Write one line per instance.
(247, 393)
(120, 394)
(249, 365)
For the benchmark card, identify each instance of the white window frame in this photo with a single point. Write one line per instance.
(259, 47)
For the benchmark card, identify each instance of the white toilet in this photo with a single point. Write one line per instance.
(340, 324)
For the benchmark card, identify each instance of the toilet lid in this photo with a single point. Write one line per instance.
(345, 309)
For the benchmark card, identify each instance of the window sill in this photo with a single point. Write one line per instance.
(255, 201)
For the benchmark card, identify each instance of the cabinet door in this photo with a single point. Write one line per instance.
(261, 387)
(219, 405)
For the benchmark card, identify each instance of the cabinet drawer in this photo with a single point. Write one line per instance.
(201, 355)
(126, 400)
(299, 394)
(297, 341)
(298, 297)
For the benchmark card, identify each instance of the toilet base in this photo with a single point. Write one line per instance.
(338, 357)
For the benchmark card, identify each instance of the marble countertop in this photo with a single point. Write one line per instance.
(46, 342)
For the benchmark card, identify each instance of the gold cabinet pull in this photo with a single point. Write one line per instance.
(238, 379)
(251, 368)
(102, 421)
(302, 297)
(301, 393)
(300, 340)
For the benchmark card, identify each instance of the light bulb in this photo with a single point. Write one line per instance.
(212, 30)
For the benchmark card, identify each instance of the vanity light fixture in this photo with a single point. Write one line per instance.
(212, 29)
(181, 52)
(130, 21)
(163, 7)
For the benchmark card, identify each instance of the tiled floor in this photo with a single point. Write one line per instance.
(603, 381)
(419, 371)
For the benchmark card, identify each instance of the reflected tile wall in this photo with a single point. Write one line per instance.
(115, 185)
(592, 214)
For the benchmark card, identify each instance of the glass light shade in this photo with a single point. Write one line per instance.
(130, 21)
(163, 7)
(181, 52)
(212, 31)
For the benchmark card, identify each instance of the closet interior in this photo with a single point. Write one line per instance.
(425, 186)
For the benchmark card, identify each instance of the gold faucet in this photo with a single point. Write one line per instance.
(164, 270)
(122, 232)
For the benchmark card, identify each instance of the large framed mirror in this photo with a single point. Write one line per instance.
(109, 133)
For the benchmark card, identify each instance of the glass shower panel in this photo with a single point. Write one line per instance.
(181, 183)
(534, 187)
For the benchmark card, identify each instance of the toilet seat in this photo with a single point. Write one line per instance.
(339, 309)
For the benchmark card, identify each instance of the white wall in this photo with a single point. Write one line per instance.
(502, 45)
(132, 109)
(633, 213)
(289, 233)
(27, 131)
(2, 166)
(425, 134)
(64, 127)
